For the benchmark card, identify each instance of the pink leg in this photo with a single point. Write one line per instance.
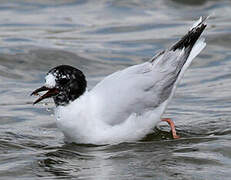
(172, 125)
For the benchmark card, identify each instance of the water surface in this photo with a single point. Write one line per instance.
(101, 37)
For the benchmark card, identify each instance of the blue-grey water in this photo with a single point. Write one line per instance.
(100, 37)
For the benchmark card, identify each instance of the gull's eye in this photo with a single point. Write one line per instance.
(63, 81)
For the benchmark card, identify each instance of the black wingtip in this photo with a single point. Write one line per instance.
(190, 38)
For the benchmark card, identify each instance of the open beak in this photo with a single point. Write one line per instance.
(50, 92)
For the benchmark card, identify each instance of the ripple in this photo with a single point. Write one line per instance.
(101, 37)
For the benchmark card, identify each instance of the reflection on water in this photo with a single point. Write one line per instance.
(101, 37)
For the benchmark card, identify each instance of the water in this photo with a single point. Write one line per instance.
(101, 37)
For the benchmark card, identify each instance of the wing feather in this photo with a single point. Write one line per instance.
(143, 87)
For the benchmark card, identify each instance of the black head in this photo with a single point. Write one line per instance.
(64, 83)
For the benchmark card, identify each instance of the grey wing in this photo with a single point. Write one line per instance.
(145, 86)
(173, 62)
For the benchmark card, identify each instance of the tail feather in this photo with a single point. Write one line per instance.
(193, 45)
(197, 48)
(190, 38)
(173, 62)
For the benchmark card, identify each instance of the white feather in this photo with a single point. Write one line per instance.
(50, 81)
(196, 23)
(197, 48)
(126, 105)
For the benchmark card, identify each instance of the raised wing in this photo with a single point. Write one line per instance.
(143, 87)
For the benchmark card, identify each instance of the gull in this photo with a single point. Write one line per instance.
(126, 105)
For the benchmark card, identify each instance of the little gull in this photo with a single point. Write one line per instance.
(126, 105)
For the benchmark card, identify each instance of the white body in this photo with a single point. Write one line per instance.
(126, 105)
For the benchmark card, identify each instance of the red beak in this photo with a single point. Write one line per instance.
(50, 92)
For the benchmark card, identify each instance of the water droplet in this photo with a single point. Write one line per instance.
(58, 118)
(48, 109)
